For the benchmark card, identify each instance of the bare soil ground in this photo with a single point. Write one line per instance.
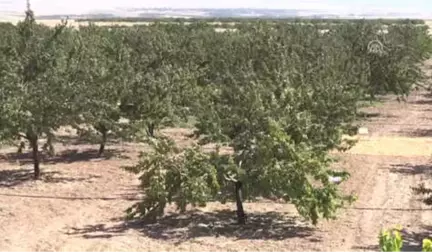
(384, 166)
(79, 203)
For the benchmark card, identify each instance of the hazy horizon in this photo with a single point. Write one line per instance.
(53, 7)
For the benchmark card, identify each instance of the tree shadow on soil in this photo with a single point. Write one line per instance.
(368, 116)
(416, 133)
(182, 227)
(16, 177)
(67, 156)
(428, 95)
(411, 169)
(77, 140)
(413, 240)
(366, 247)
(421, 102)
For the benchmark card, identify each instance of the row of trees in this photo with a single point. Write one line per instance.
(280, 96)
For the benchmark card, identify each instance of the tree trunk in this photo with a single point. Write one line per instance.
(241, 216)
(150, 129)
(103, 131)
(48, 146)
(21, 147)
(51, 150)
(34, 144)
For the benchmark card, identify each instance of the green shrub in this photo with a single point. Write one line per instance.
(390, 240)
(427, 245)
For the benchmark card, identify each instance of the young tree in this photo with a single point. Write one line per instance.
(280, 116)
(158, 93)
(36, 93)
(103, 74)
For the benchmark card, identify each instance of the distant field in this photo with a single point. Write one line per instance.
(429, 23)
(75, 23)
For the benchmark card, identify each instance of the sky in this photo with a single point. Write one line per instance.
(47, 7)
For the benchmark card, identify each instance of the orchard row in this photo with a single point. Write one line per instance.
(280, 95)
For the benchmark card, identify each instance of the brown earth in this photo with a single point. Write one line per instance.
(79, 203)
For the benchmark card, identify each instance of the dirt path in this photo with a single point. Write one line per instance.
(81, 200)
(384, 166)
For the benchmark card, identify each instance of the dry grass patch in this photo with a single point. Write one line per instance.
(393, 146)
